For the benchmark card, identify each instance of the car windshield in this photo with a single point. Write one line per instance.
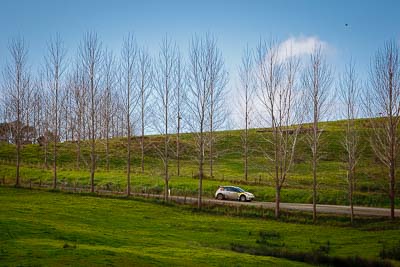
(239, 189)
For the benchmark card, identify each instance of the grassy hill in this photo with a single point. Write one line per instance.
(228, 168)
(55, 229)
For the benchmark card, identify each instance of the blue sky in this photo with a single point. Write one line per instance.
(235, 23)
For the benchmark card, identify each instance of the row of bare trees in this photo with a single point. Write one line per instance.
(383, 101)
(283, 92)
(95, 96)
(17, 93)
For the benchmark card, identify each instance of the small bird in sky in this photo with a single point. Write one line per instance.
(346, 24)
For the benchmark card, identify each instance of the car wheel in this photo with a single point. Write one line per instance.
(242, 198)
(220, 197)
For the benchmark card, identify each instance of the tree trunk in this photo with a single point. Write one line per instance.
(351, 189)
(55, 165)
(18, 140)
(142, 145)
(199, 200)
(314, 170)
(142, 137)
(17, 179)
(277, 162)
(246, 146)
(178, 145)
(92, 166)
(392, 190)
(166, 144)
(107, 151)
(78, 151)
(201, 171)
(393, 141)
(211, 129)
(277, 201)
(128, 186)
(211, 146)
(314, 159)
(55, 140)
(93, 151)
(46, 165)
(314, 167)
(166, 188)
(211, 160)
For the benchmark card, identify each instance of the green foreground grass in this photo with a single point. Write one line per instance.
(54, 229)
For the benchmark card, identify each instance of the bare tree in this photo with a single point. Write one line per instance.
(107, 99)
(27, 131)
(180, 95)
(349, 93)
(383, 101)
(37, 109)
(246, 92)
(198, 102)
(43, 116)
(66, 115)
(205, 79)
(165, 82)
(280, 99)
(69, 107)
(17, 86)
(317, 81)
(144, 83)
(91, 59)
(217, 82)
(54, 69)
(79, 87)
(130, 97)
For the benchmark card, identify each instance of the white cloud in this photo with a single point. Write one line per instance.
(300, 46)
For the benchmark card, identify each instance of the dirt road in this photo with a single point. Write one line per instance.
(332, 209)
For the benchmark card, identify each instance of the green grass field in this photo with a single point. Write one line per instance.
(371, 189)
(52, 229)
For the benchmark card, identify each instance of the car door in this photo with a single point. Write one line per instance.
(235, 193)
(227, 192)
(231, 193)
